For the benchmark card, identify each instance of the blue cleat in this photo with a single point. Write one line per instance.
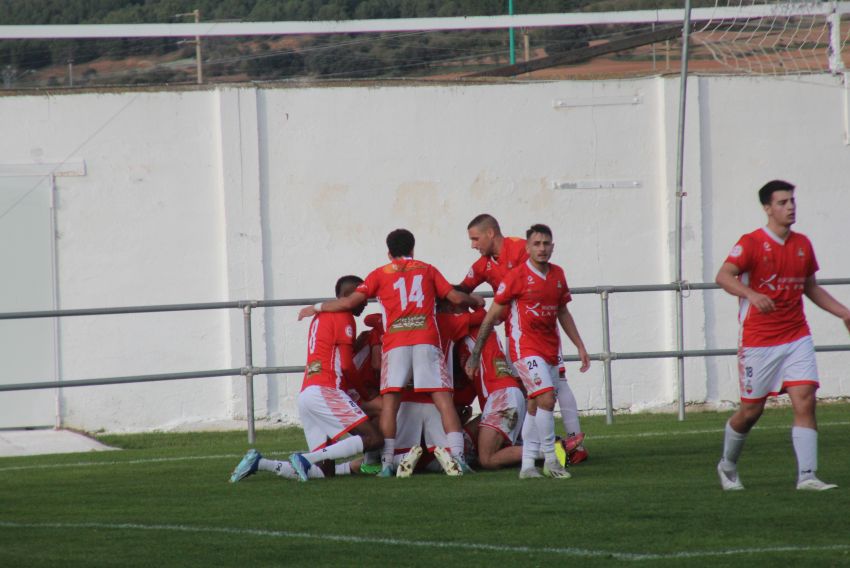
(300, 465)
(386, 471)
(246, 467)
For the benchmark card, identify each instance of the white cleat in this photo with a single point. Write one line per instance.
(408, 462)
(447, 462)
(530, 473)
(555, 470)
(814, 484)
(729, 480)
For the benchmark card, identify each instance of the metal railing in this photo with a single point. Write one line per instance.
(249, 371)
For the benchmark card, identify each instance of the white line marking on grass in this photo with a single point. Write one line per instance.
(580, 552)
(237, 456)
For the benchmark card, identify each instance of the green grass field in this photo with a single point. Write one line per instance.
(648, 496)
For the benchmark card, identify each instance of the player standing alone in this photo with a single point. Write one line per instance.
(537, 294)
(769, 270)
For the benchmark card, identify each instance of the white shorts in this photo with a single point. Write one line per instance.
(768, 371)
(326, 415)
(504, 412)
(537, 375)
(423, 363)
(416, 420)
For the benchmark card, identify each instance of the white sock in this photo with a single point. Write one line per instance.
(455, 440)
(351, 446)
(343, 469)
(806, 447)
(388, 453)
(733, 443)
(530, 442)
(285, 469)
(569, 408)
(545, 420)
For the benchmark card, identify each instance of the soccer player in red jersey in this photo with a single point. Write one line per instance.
(500, 255)
(536, 295)
(502, 403)
(327, 413)
(407, 290)
(769, 270)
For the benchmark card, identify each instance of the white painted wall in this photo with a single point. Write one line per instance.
(245, 193)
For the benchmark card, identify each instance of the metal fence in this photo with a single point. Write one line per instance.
(249, 371)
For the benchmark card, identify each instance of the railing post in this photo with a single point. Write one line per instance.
(249, 372)
(680, 346)
(606, 360)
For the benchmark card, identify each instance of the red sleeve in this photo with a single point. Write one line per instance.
(441, 285)
(508, 289)
(741, 254)
(476, 318)
(345, 330)
(475, 276)
(461, 327)
(371, 284)
(813, 263)
(566, 296)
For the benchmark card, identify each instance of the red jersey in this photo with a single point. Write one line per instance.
(778, 269)
(407, 291)
(329, 347)
(492, 269)
(366, 381)
(495, 371)
(534, 300)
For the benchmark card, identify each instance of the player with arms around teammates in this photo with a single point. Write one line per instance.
(535, 295)
(500, 255)
(769, 270)
(407, 291)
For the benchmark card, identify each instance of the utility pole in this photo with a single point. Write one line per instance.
(8, 76)
(70, 71)
(199, 66)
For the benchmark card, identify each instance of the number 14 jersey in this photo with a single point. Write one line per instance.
(407, 291)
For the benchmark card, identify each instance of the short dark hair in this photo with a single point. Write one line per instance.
(347, 279)
(538, 228)
(400, 243)
(485, 220)
(767, 190)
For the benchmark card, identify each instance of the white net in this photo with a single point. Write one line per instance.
(778, 38)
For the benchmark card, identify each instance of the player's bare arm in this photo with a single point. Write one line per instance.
(346, 304)
(727, 278)
(565, 318)
(825, 301)
(457, 298)
(494, 315)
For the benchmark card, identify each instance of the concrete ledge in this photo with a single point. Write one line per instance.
(37, 442)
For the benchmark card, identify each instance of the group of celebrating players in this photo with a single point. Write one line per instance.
(403, 390)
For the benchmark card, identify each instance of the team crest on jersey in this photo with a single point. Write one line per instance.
(488, 265)
(314, 368)
(510, 264)
(470, 274)
(736, 251)
(559, 284)
(530, 279)
(501, 288)
(538, 381)
(800, 252)
(767, 246)
(349, 331)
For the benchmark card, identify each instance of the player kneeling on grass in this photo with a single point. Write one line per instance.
(769, 270)
(327, 413)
